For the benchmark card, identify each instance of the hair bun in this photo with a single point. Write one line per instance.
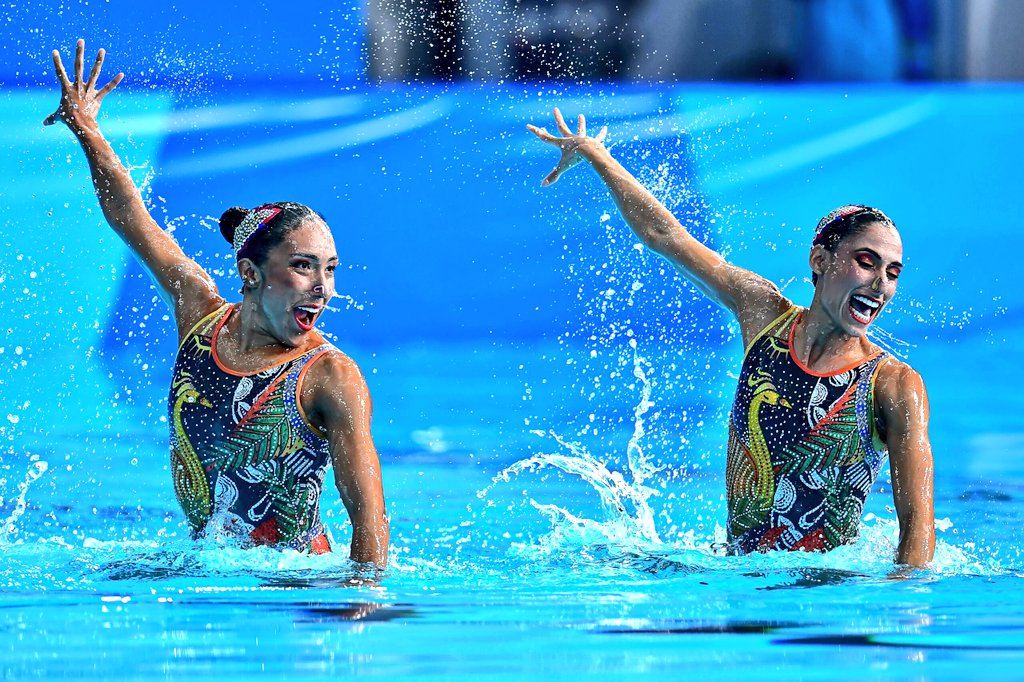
(229, 222)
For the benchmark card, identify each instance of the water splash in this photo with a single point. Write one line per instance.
(35, 470)
(889, 342)
(640, 464)
(629, 516)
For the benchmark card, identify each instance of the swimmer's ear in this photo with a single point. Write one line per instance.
(249, 273)
(819, 259)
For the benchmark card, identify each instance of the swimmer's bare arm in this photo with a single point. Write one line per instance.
(903, 406)
(337, 400)
(186, 287)
(752, 299)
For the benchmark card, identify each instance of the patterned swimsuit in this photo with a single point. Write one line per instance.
(803, 448)
(246, 464)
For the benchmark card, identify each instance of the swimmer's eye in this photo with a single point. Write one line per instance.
(865, 262)
(332, 267)
(894, 273)
(302, 264)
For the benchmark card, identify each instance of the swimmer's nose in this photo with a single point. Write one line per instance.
(323, 290)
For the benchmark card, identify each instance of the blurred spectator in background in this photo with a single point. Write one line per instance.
(861, 40)
(696, 40)
(572, 40)
(849, 40)
(416, 39)
(918, 20)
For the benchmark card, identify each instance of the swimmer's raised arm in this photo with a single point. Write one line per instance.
(752, 299)
(337, 401)
(903, 406)
(185, 286)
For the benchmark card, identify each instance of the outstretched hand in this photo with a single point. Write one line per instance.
(569, 143)
(80, 100)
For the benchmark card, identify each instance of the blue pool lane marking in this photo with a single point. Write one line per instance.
(240, 115)
(818, 149)
(311, 145)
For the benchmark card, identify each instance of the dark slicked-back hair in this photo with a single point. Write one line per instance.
(267, 226)
(843, 222)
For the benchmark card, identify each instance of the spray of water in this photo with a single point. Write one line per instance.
(9, 528)
(623, 498)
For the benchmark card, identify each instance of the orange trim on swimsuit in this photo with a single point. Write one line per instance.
(801, 365)
(227, 370)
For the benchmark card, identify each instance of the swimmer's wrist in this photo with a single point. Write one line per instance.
(592, 151)
(86, 131)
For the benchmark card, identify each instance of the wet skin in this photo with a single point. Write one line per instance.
(854, 284)
(292, 287)
(866, 265)
(282, 299)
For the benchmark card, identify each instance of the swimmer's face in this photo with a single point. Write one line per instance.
(297, 281)
(859, 278)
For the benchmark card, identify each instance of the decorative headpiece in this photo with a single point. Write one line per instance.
(827, 224)
(253, 221)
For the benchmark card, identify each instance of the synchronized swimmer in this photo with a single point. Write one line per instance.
(260, 404)
(818, 406)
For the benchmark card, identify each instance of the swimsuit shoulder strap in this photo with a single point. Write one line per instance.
(866, 415)
(293, 386)
(776, 327)
(206, 323)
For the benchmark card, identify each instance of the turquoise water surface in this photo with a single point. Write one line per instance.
(550, 403)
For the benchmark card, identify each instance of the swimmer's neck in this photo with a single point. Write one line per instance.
(249, 330)
(822, 345)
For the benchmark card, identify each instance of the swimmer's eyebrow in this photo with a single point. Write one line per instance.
(894, 264)
(311, 256)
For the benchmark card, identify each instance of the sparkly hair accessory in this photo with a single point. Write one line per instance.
(835, 216)
(253, 221)
(826, 224)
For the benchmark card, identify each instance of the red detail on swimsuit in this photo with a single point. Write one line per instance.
(815, 541)
(803, 452)
(267, 533)
(245, 434)
(320, 545)
(767, 541)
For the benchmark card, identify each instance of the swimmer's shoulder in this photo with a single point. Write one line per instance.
(762, 305)
(894, 371)
(332, 373)
(188, 316)
(898, 387)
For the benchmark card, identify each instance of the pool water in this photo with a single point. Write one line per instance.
(550, 403)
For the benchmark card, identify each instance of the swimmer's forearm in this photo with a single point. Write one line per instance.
(917, 544)
(126, 213)
(660, 231)
(370, 541)
(647, 217)
(119, 198)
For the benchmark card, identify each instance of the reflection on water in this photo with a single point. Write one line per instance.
(370, 612)
(814, 577)
(705, 628)
(898, 642)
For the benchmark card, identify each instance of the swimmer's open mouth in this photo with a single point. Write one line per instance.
(864, 309)
(305, 316)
